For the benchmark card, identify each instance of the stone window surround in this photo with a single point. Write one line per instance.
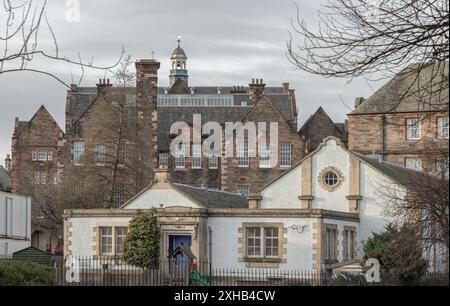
(348, 228)
(262, 262)
(326, 226)
(96, 238)
(322, 173)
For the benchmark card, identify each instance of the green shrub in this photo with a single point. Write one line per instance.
(141, 244)
(400, 254)
(24, 273)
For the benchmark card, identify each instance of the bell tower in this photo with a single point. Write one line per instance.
(178, 69)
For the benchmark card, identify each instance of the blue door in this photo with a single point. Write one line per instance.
(179, 240)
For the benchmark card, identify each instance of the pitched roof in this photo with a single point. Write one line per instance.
(20, 126)
(416, 88)
(320, 112)
(78, 102)
(211, 198)
(179, 87)
(5, 180)
(401, 175)
(169, 115)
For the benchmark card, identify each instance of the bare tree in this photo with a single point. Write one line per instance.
(25, 24)
(377, 39)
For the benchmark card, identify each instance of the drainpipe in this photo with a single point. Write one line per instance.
(383, 138)
(210, 248)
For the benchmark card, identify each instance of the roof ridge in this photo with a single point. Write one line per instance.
(207, 189)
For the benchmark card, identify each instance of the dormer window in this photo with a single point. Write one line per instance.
(219, 90)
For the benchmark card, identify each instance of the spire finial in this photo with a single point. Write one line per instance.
(179, 39)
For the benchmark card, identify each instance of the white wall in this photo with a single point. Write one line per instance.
(82, 233)
(284, 192)
(331, 155)
(225, 242)
(374, 211)
(15, 223)
(155, 197)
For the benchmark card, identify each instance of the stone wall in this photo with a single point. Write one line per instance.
(366, 135)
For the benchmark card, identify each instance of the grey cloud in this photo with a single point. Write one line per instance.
(227, 42)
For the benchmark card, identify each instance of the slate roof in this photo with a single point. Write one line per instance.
(77, 103)
(169, 115)
(402, 175)
(401, 93)
(211, 198)
(5, 180)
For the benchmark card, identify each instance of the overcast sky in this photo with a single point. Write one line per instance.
(227, 43)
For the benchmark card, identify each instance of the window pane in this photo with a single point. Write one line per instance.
(271, 241)
(254, 241)
(242, 154)
(118, 195)
(121, 232)
(264, 155)
(42, 154)
(244, 191)
(99, 153)
(77, 151)
(55, 176)
(213, 162)
(443, 127)
(164, 159)
(50, 155)
(196, 156)
(179, 157)
(285, 154)
(413, 128)
(106, 240)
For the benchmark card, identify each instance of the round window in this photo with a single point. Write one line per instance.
(330, 178)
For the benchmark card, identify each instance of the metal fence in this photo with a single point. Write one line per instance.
(114, 272)
(90, 271)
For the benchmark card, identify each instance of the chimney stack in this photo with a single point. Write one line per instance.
(256, 90)
(162, 175)
(253, 200)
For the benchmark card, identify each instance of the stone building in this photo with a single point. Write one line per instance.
(116, 135)
(405, 122)
(318, 127)
(110, 138)
(37, 165)
(222, 104)
(314, 216)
